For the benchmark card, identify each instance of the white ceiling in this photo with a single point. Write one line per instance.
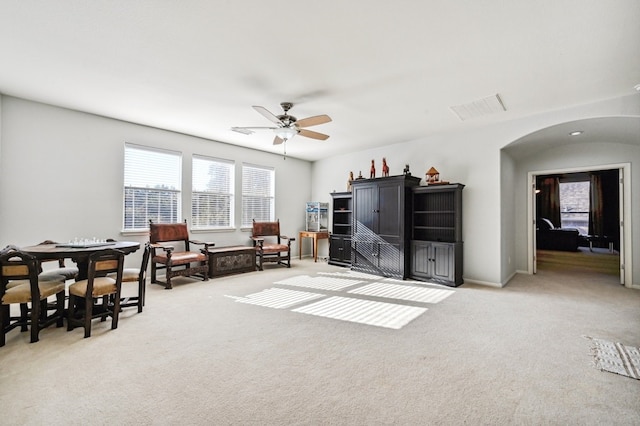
(386, 72)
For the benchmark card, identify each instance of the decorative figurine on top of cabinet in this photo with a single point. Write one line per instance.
(372, 172)
(406, 170)
(432, 176)
(360, 175)
(385, 167)
(349, 181)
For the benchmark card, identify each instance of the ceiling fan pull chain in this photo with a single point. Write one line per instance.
(284, 145)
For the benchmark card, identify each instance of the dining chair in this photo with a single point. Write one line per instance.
(21, 285)
(68, 272)
(137, 275)
(90, 298)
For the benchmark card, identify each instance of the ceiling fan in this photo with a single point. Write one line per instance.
(287, 126)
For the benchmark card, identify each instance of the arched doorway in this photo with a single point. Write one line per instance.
(610, 142)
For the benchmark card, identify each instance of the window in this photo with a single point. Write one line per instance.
(151, 186)
(574, 205)
(212, 197)
(258, 194)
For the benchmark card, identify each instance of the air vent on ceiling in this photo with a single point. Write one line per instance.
(480, 107)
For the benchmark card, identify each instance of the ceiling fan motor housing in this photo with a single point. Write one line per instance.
(287, 119)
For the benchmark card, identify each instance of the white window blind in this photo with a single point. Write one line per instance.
(152, 181)
(212, 193)
(258, 194)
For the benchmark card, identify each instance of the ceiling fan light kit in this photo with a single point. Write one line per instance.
(285, 133)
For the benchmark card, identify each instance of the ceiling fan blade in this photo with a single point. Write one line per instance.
(249, 130)
(313, 121)
(277, 140)
(265, 112)
(313, 135)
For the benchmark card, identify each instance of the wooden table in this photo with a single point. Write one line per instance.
(316, 235)
(599, 239)
(79, 254)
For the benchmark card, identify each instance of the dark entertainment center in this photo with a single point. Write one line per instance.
(393, 227)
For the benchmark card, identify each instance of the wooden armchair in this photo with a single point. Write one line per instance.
(176, 259)
(269, 245)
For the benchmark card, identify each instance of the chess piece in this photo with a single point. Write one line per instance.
(372, 172)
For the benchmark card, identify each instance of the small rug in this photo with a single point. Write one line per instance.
(615, 357)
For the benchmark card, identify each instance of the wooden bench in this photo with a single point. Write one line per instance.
(231, 260)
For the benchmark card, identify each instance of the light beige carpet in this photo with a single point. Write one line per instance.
(197, 356)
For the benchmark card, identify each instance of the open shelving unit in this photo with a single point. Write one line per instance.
(436, 233)
(341, 222)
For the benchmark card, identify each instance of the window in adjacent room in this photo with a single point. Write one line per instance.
(258, 194)
(152, 180)
(212, 193)
(574, 205)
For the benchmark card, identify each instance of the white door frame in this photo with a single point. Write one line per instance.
(626, 269)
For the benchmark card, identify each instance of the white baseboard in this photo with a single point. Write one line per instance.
(479, 282)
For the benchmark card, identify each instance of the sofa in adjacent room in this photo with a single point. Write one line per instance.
(548, 237)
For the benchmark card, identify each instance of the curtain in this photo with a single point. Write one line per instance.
(596, 212)
(548, 199)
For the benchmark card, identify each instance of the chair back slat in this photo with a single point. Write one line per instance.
(18, 265)
(16, 271)
(107, 265)
(104, 261)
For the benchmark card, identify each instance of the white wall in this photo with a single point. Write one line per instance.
(508, 215)
(471, 158)
(492, 214)
(61, 175)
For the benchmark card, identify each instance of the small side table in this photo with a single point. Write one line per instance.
(316, 235)
(599, 239)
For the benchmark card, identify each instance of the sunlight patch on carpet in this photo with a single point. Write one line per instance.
(403, 292)
(322, 283)
(380, 314)
(615, 357)
(278, 298)
(351, 274)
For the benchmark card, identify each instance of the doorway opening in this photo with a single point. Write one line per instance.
(577, 219)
